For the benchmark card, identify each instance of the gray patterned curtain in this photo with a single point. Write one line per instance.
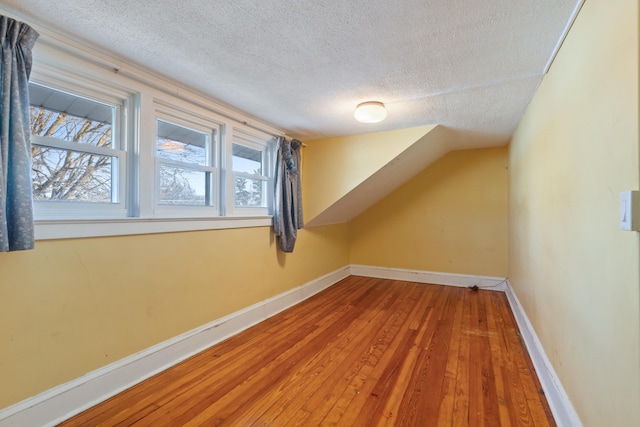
(287, 215)
(16, 204)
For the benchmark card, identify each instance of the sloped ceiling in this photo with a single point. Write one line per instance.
(302, 67)
(421, 153)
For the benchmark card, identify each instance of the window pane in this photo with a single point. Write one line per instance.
(69, 117)
(70, 175)
(179, 186)
(247, 160)
(175, 142)
(250, 192)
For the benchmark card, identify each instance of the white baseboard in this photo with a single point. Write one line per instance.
(435, 278)
(561, 407)
(62, 402)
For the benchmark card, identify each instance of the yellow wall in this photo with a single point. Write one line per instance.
(576, 274)
(71, 306)
(334, 166)
(452, 217)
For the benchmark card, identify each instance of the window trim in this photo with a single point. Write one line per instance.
(66, 64)
(121, 101)
(258, 141)
(197, 123)
(82, 227)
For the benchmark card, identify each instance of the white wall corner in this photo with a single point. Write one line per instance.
(560, 404)
(66, 400)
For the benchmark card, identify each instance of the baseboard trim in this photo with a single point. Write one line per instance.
(560, 404)
(561, 407)
(62, 402)
(432, 277)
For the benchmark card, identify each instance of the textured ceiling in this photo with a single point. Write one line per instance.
(303, 66)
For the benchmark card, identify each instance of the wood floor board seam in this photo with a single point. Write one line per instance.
(366, 351)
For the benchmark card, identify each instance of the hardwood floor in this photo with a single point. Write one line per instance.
(363, 352)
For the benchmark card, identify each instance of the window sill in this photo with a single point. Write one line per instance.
(71, 229)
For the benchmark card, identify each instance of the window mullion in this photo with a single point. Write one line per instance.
(74, 146)
(251, 176)
(146, 156)
(187, 165)
(130, 132)
(227, 196)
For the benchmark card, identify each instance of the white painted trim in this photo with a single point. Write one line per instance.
(59, 403)
(560, 404)
(435, 278)
(72, 229)
(565, 33)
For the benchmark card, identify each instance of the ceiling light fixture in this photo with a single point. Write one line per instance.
(370, 112)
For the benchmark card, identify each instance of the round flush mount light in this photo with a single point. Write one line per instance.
(370, 112)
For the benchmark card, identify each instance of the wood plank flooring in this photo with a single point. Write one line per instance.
(365, 352)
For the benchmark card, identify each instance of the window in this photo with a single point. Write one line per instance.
(117, 153)
(251, 173)
(186, 169)
(78, 158)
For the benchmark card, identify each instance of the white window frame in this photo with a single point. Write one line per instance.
(215, 131)
(258, 141)
(83, 88)
(62, 64)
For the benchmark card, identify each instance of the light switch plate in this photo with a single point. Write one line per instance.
(630, 211)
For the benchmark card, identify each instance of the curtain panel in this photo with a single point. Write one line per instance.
(16, 202)
(287, 215)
